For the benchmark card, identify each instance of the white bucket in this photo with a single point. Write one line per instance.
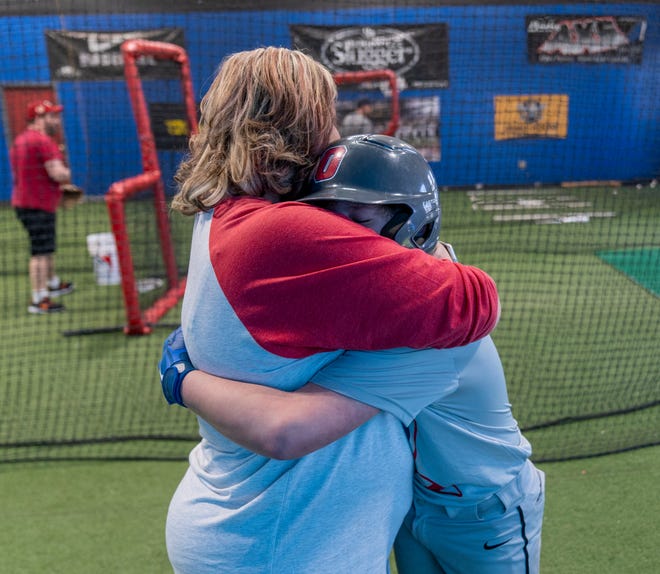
(102, 248)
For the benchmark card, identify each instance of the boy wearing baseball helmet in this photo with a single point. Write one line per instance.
(478, 500)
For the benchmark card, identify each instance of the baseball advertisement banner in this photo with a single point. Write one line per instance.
(531, 116)
(89, 55)
(417, 54)
(585, 39)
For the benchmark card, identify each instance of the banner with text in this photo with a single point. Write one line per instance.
(89, 55)
(417, 54)
(531, 116)
(585, 39)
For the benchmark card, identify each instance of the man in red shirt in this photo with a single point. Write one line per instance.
(38, 171)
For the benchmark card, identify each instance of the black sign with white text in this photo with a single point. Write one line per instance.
(85, 55)
(417, 54)
(585, 39)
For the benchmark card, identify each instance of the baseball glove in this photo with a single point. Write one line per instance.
(71, 194)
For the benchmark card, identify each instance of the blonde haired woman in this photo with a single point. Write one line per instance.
(276, 289)
(266, 118)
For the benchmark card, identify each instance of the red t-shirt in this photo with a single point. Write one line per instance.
(303, 280)
(33, 187)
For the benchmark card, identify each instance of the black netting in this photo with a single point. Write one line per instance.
(542, 125)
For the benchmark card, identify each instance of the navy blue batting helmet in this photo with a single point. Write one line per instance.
(382, 170)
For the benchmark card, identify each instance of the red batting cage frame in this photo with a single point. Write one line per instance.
(140, 322)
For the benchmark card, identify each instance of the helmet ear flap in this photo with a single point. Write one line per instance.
(391, 228)
(423, 234)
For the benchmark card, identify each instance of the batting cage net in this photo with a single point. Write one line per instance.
(541, 123)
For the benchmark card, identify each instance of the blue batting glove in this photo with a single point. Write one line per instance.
(174, 366)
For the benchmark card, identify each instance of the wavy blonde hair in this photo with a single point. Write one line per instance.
(266, 118)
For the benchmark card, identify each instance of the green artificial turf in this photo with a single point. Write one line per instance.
(602, 515)
(578, 338)
(109, 517)
(640, 265)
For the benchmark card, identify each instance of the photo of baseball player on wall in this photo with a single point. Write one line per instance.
(419, 120)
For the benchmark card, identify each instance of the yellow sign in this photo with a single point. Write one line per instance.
(531, 116)
(176, 127)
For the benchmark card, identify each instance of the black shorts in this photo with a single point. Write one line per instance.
(40, 226)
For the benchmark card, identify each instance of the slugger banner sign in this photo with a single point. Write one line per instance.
(416, 54)
(89, 55)
(531, 116)
(585, 39)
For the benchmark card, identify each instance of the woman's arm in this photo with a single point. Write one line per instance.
(317, 264)
(270, 422)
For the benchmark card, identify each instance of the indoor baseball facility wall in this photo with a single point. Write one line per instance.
(504, 112)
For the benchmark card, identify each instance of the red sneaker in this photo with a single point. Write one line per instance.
(45, 306)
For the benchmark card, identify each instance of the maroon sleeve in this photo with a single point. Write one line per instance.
(305, 280)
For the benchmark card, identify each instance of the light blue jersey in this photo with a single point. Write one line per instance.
(335, 510)
(464, 438)
(478, 500)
